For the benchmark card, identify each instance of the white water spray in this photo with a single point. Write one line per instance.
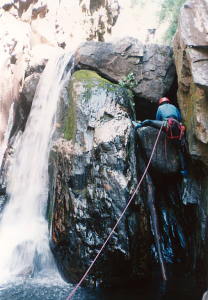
(24, 248)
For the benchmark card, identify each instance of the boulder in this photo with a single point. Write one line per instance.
(165, 160)
(152, 65)
(92, 176)
(94, 168)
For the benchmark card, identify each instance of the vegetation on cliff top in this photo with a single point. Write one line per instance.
(167, 14)
(170, 11)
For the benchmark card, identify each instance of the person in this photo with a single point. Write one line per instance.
(168, 116)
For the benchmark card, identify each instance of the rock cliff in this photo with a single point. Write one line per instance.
(97, 159)
(93, 176)
(191, 59)
(94, 169)
(95, 164)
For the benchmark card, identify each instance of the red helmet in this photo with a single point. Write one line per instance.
(162, 100)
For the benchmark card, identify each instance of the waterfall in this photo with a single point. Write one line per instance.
(24, 247)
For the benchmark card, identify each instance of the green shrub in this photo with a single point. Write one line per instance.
(129, 81)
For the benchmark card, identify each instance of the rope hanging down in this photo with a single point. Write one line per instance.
(119, 219)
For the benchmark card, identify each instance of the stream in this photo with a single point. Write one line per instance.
(48, 289)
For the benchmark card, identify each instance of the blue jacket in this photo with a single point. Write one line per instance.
(166, 111)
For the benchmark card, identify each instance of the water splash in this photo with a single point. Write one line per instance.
(24, 247)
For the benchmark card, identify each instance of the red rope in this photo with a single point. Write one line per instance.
(119, 219)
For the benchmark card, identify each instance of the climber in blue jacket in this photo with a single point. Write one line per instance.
(168, 116)
(165, 111)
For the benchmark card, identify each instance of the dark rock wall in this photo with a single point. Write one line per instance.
(93, 164)
(94, 174)
(176, 231)
(94, 171)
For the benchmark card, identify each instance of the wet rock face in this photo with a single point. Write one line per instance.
(152, 65)
(93, 173)
(162, 193)
(23, 106)
(165, 160)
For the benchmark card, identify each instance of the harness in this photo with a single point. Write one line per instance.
(174, 129)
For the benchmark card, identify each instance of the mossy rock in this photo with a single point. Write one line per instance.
(90, 83)
(70, 121)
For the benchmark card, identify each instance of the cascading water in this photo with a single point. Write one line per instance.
(24, 247)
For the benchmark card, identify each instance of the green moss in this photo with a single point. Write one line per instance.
(70, 120)
(70, 124)
(92, 80)
(86, 75)
(92, 83)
